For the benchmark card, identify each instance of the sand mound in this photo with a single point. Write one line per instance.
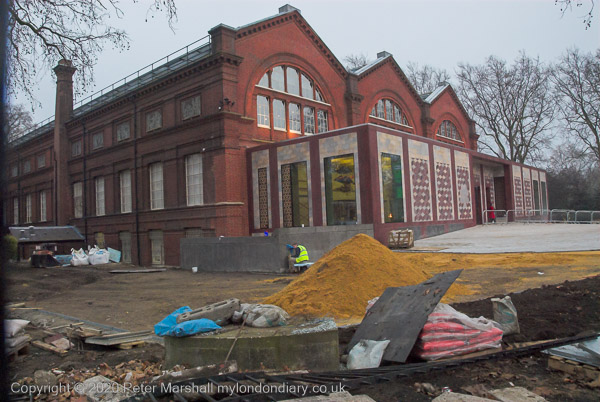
(342, 282)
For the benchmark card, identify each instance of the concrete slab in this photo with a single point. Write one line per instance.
(514, 238)
(338, 396)
(516, 394)
(456, 397)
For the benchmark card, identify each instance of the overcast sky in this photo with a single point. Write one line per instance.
(441, 33)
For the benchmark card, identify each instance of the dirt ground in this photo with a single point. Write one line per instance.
(138, 301)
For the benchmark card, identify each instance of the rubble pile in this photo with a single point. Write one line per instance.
(341, 283)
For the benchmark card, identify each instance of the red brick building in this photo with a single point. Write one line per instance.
(166, 154)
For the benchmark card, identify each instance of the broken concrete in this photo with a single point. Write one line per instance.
(101, 389)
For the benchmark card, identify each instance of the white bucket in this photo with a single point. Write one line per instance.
(194, 269)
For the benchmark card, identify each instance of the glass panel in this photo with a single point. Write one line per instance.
(380, 109)
(389, 110)
(156, 186)
(309, 120)
(262, 111)
(307, 88)
(277, 79)
(43, 206)
(154, 120)
(294, 185)
(41, 161)
(397, 114)
(374, 112)
(293, 81)
(295, 125)
(125, 238)
(123, 131)
(318, 95)
(340, 190)
(78, 199)
(264, 81)
(391, 182)
(76, 148)
(193, 167)
(15, 210)
(100, 196)
(28, 208)
(279, 114)
(323, 124)
(191, 107)
(125, 191)
(98, 141)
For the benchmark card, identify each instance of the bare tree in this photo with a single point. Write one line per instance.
(41, 32)
(512, 105)
(577, 86)
(356, 61)
(18, 121)
(568, 5)
(427, 78)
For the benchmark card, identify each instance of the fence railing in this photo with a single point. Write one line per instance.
(540, 215)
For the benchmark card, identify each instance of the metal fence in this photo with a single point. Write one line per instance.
(505, 216)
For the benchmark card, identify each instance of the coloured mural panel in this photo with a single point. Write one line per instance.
(389, 144)
(261, 189)
(463, 185)
(420, 180)
(344, 144)
(443, 183)
(286, 155)
(527, 191)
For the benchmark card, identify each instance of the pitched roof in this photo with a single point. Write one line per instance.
(46, 234)
(436, 92)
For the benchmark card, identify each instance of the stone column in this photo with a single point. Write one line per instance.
(63, 200)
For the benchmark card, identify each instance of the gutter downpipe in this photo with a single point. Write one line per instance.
(83, 151)
(135, 172)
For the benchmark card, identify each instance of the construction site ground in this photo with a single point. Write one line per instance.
(552, 309)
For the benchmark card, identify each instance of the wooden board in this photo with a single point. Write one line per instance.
(573, 368)
(46, 346)
(400, 313)
(136, 271)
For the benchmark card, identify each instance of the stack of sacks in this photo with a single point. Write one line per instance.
(449, 333)
(15, 334)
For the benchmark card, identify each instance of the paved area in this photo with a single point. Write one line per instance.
(515, 238)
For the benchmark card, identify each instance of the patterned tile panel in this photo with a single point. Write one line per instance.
(443, 183)
(389, 144)
(527, 190)
(463, 185)
(335, 146)
(286, 197)
(420, 180)
(263, 197)
(299, 152)
(260, 160)
(518, 189)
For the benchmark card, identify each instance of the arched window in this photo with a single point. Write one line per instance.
(448, 130)
(389, 110)
(287, 99)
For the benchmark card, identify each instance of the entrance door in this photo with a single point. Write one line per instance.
(500, 196)
(478, 210)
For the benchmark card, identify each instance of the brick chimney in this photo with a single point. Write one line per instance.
(63, 201)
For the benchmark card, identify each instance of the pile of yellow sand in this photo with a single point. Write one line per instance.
(341, 283)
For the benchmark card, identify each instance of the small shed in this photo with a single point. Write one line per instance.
(64, 237)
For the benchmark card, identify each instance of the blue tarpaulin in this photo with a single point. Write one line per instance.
(169, 326)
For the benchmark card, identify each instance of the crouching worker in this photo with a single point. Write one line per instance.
(298, 255)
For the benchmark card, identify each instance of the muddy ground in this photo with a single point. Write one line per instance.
(137, 301)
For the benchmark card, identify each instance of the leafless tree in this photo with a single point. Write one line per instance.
(427, 78)
(18, 121)
(41, 32)
(568, 5)
(512, 105)
(356, 61)
(577, 86)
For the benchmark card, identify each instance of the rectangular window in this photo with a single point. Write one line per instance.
(294, 188)
(123, 131)
(16, 210)
(340, 190)
(125, 238)
(307, 88)
(99, 239)
(14, 171)
(125, 183)
(156, 186)
(43, 216)
(157, 247)
(279, 114)
(76, 148)
(97, 140)
(389, 110)
(380, 109)
(78, 199)
(190, 107)
(277, 79)
(27, 166)
(41, 161)
(262, 111)
(28, 208)
(294, 111)
(309, 120)
(391, 183)
(293, 81)
(322, 123)
(100, 209)
(193, 179)
(153, 120)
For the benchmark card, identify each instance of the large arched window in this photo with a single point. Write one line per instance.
(387, 109)
(448, 130)
(287, 99)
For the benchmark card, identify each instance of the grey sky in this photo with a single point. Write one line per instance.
(435, 32)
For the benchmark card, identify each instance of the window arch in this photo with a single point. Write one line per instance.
(448, 130)
(389, 110)
(287, 99)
